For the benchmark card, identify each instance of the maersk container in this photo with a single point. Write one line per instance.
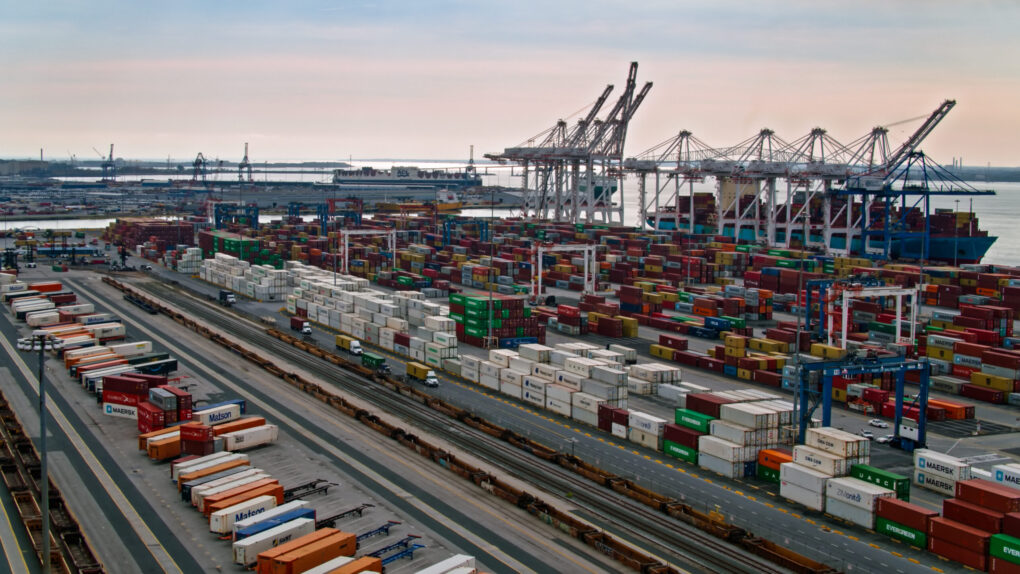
(646, 422)
(222, 521)
(246, 551)
(1007, 474)
(749, 415)
(273, 514)
(815, 500)
(857, 492)
(849, 512)
(217, 415)
(250, 438)
(820, 460)
(121, 411)
(735, 433)
(935, 482)
(803, 477)
(901, 532)
(729, 469)
(933, 463)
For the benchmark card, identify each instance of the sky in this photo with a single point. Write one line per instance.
(332, 80)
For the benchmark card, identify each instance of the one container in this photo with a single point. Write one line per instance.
(895, 482)
(857, 493)
(935, 482)
(935, 463)
(271, 518)
(302, 558)
(265, 559)
(222, 522)
(959, 533)
(803, 477)
(849, 512)
(964, 512)
(812, 499)
(246, 550)
(901, 532)
(1005, 547)
(727, 468)
(910, 515)
(250, 438)
(989, 494)
(822, 461)
(693, 420)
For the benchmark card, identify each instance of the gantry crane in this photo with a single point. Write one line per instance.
(108, 166)
(198, 168)
(244, 168)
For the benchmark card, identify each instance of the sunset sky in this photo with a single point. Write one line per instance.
(329, 80)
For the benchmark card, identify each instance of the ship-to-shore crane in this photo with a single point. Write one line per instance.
(244, 168)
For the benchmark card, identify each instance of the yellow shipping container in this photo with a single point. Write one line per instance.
(992, 381)
(736, 352)
(827, 351)
(736, 341)
(630, 326)
(746, 374)
(839, 395)
(943, 354)
(661, 352)
(768, 346)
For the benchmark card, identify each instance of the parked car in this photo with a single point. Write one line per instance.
(868, 434)
(885, 439)
(878, 423)
(30, 265)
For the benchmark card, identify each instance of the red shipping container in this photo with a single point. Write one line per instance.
(119, 398)
(1001, 358)
(988, 494)
(1000, 566)
(970, 349)
(196, 432)
(957, 532)
(1011, 524)
(983, 394)
(126, 384)
(965, 556)
(904, 513)
(170, 417)
(673, 342)
(973, 515)
(197, 447)
(682, 435)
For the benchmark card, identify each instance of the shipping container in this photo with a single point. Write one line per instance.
(330, 566)
(803, 477)
(909, 515)
(216, 415)
(820, 460)
(250, 438)
(850, 512)
(187, 487)
(962, 534)
(222, 521)
(358, 565)
(1005, 547)
(201, 492)
(694, 420)
(450, 564)
(966, 556)
(896, 482)
(314, 553)
(971, 514)
(232, 496)
(934, 463)
(812, 499)
(194, 473)
(988, 494)
(935, 482)
(271, 518)
(265, 559)
(856, 492)
(246, 550)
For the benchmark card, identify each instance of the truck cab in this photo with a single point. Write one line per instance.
(431, 380)
(227, 298)
(307, 329)
(356, 348)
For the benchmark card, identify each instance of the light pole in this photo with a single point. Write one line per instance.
(573, 442)
(44, 478)
(956, 232)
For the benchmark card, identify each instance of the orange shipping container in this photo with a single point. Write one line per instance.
(227, 494)
(265, 559)
(188, 477)
(238, 425)
(144, 437)
(771, 458)
(363, 564)
(274, 490)
(309, 555)
(166, 448)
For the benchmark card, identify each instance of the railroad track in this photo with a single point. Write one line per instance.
(670, 538)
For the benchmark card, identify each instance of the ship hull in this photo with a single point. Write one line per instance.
(959, 250)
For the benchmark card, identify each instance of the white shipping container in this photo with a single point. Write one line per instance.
(533, 397)
(489, 382)
(729, 469)
(584, 416)
(250, 438)
(935, 482)
(557, 406)
(489, 369)
(131, 349)
(815, 500)
(217, 415)
(639, 387)
(522, 365)
(1007, 474)
(580, 366)
(629, 355)
(470, 362)
(725, 449)
(121, 411)
(544, 371)
(246, 551)
(510, 390)
(599, 389)
(834, 443)
(511, 376)
(849, 512)
(646, 422)
(535, 352)
(587, 402)
(820, 460)
(177, 469)
(935, 463)
(734, 433)
(449, 565)
(618, 430)
(609, 375)
(559, 393)
(804, 477)
(856, 492)
(671, 393)
(534, 383)
(501, 357)
(643, 438)
(749, 415)
(568, 379)
(42, 318)
(202, 489)
(222, 521)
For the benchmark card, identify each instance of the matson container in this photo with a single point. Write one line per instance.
(246, 551)
(250, 438)
(943, 465)
(803, 477)
(217, 415)
(812, 499)
(222, 522)
(820, 460)
(856, 493)
(749, 415)
(849, 512)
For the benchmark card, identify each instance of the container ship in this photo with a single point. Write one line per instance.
(954, 237)
(407, 177)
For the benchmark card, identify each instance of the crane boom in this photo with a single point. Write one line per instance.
(919, 135)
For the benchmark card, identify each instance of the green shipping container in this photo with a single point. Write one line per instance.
(693, 420)
(768, 474)
(476, 332)
(457, 317)
(882, 327)
(1005, 547)
(457, 298)
(680, 451)
(895, 482)
(901, 533)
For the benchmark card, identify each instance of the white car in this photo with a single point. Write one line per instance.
(867, 434)
(877, 423)
(30, 265)
(885, 439)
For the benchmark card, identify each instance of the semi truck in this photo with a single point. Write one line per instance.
(377, 362)
(349, 344)
(300, 324)
(417, 372)
(227, 298)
